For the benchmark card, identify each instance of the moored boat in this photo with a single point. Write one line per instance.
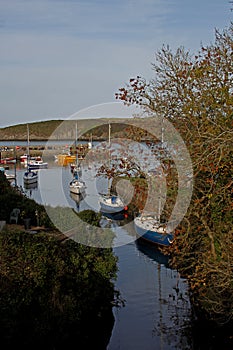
(32, 159)
(23, 158)
(30, 177)
(75, 166)
(37, 164)
(149, 228)
(8, 160)
(31, 186)
(77, 186)
(111, 203)
(10, 176)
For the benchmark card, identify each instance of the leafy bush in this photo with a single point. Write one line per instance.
(53, 292)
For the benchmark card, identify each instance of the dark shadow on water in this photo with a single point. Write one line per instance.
(152, 252)
(194, 333)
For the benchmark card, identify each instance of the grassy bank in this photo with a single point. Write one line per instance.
(53, 291)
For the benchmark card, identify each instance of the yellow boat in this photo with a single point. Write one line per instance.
(65, 159)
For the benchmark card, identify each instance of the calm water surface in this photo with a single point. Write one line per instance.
(156, 314)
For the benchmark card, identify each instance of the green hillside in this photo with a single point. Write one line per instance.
(65, 130)
(38, 130)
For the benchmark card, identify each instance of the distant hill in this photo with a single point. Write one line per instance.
(38, 130)
(65, 129)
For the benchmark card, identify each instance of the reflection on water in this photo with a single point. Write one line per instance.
(156, 303)
(77, 198)
(29, 188)
(152, 252)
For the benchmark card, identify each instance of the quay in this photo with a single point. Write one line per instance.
(65, 153)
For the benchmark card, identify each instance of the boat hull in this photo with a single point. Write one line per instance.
(117, 216)
(30, 182)
(30, 177)
(8, 161)
(77, 187)
(10, 176)
(77, 190)
(38, 166)
(31, 186)
(152, 235)
(77, 197)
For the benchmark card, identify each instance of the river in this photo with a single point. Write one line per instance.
(156, 303)
(156, 314)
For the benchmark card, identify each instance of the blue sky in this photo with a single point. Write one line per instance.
(58, 57)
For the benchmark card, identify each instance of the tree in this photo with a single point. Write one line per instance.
(194, 92)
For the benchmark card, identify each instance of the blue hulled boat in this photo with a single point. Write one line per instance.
(150, 229)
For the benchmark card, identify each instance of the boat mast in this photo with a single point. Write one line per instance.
(76, 141)
(109, 135)
(162, 141)
(76, 133)
(109, 145)
(28, 149)
(160, 306)
(15, 163)
(90, 142)
(159, 208)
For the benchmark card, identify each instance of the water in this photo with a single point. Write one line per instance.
(156, 314)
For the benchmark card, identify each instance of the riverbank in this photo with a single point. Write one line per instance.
(47, 282)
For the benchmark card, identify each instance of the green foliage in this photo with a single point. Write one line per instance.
(194, 92)
(91, 217)
(51, 291)
(83, 227)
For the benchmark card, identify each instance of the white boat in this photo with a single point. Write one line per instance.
(8, 160)
(150, 229)
(77, 197)
(76, 167)
(10, 176)
(31, 186)
(37, 164)
(111, 203)
(90, 143)
(29, 177)
(148, 225)
(23, 158)
(31, 159)
(77, 186)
